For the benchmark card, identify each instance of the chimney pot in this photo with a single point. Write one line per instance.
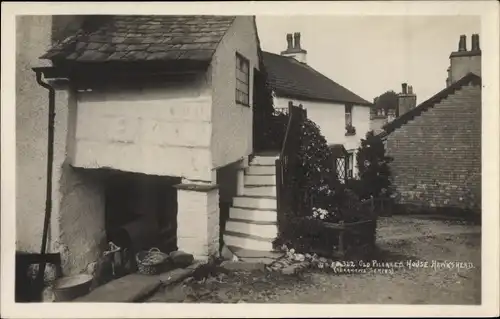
(289, 41)
(410, 89)
(462, 44)
(475, 42)
(296, 36)
(404, 87)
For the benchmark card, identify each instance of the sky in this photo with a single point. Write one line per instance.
(371, 55)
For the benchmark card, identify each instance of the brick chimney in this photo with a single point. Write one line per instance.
(407, 100)
(463, 61)
(294, 48)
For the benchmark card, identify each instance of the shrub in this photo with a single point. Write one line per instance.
(315, 178)
(373, 168)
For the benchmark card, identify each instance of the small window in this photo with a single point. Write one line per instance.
(348, 115)
(350, 165)
(242, 80)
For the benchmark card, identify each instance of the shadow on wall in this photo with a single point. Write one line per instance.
(227, 181)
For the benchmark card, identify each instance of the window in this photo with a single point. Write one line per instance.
(350, 165)
(349, 128)
(242, 80)
(348, 115)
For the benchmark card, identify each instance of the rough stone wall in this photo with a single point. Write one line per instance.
(437, 155)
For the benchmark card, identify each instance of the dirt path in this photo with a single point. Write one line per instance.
(401, 240)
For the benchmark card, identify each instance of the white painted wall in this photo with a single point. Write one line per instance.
(163, 130)
(32, 39)
(232, 122)
(330, 117)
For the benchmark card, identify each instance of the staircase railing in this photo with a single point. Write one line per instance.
(287, 192)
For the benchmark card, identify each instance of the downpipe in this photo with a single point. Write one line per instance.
(50, 159)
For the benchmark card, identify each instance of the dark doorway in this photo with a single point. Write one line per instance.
(141, 211)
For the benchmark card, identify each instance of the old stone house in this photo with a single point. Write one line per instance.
(436, 146)
(152, 132)
(342, 116)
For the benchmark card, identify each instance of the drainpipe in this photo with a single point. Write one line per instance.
(50, 159)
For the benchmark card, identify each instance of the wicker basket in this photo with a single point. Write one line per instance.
(151, 262)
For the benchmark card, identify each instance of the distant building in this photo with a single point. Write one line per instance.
(436, 146)
(380, 115)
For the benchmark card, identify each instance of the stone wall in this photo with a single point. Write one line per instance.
(437, 155)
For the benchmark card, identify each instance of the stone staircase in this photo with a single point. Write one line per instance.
(252, 224)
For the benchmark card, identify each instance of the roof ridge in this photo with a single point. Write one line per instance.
(429, 103)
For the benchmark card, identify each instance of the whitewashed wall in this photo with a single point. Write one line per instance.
(162, 131)
(330, 117)
(232, 122)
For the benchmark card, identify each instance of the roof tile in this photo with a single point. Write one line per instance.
(290, 78)
(133, 37)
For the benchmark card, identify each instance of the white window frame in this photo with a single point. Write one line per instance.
(242, 90)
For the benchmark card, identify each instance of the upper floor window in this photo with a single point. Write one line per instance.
(350, 130)
(348, 115)
(242, 80)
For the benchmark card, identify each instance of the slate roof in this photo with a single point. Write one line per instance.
(290, 78)
(424, 106)
(145, 38)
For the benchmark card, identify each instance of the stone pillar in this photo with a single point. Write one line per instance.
(198, 218)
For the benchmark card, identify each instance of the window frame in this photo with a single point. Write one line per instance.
(350, 164)
(348, 114)
(240, 58)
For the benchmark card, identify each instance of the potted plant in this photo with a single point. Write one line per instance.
(350, 130)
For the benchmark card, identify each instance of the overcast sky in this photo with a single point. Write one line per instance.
(370, 55)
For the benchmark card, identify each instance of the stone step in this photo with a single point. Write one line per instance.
(264, 160)
(260, 170)
(255, 243)
(255, 215)
(255, 202)
(259, 190)
(249, 253)
(249, 228)
(260, 180)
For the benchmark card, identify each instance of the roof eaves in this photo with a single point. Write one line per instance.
(285, 94)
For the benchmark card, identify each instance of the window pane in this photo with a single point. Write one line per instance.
(244, 88)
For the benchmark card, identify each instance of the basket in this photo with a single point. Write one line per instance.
(151, 262)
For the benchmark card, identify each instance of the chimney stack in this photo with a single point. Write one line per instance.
(462, 44)
(294, 48)
(407, 100)
(463, 62)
